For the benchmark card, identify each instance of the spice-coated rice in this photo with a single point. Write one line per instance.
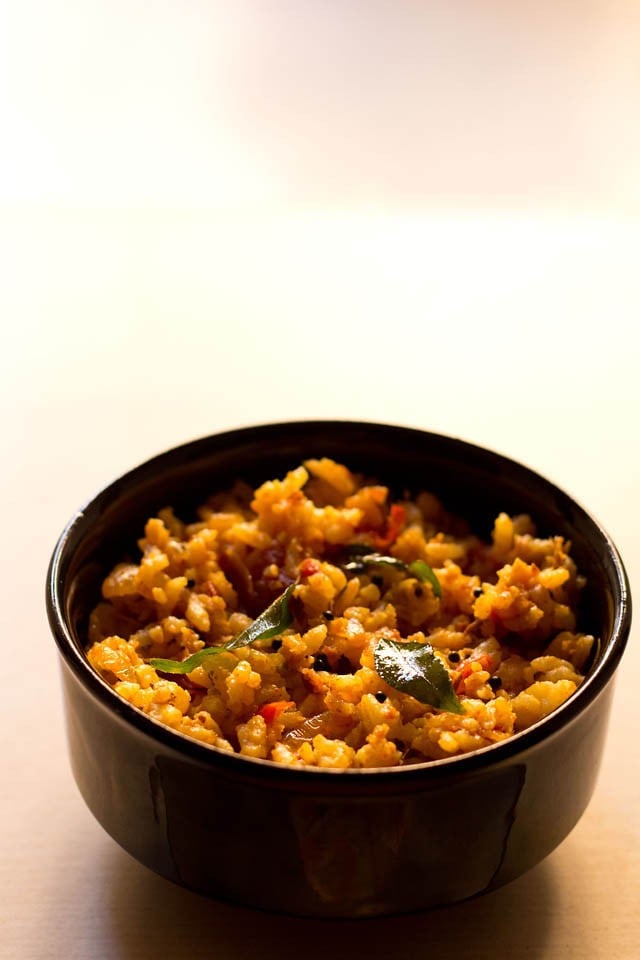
(503, 627)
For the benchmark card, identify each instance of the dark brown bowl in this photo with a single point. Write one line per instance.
(325, 842)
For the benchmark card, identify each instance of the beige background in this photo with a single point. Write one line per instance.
(214, 214)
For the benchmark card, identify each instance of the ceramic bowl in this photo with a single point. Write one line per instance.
(325, 842)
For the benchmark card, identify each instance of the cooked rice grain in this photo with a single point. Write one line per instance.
(504, 626)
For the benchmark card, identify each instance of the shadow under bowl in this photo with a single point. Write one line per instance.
(326, 842)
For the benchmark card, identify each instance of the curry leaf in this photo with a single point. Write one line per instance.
(272, 622)
(423, 572)
(373, 560)
(418, 568)
(184, 666)
(414, 668)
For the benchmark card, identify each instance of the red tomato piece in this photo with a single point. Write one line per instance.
(397, 520)
(271, 711)
(309, 566)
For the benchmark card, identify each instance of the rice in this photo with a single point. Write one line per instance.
(496, 621)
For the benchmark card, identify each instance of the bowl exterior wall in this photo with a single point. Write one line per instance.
(386, 848)
(332, 843)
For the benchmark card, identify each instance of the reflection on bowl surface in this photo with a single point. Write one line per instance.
(358, 841)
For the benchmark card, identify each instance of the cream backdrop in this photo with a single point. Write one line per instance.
(220, 213)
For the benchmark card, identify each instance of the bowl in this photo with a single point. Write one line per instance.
(321, 842)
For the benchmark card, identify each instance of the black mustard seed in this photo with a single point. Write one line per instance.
(321, 662)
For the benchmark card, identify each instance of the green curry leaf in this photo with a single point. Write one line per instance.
(373, 560)
(272, 622)
(184, 666)
(422, 571)
(414, 668)
(418, 568)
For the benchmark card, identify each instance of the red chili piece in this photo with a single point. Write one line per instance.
(308, 567)
(485, 662)
(397, 520)
(271, 711)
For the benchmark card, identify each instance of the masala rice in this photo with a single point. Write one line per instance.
(504, 625)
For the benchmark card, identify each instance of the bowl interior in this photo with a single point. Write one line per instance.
(472, 482)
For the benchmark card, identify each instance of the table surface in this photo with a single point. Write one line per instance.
(219, 215)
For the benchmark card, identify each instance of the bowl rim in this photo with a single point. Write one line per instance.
(255, 768)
